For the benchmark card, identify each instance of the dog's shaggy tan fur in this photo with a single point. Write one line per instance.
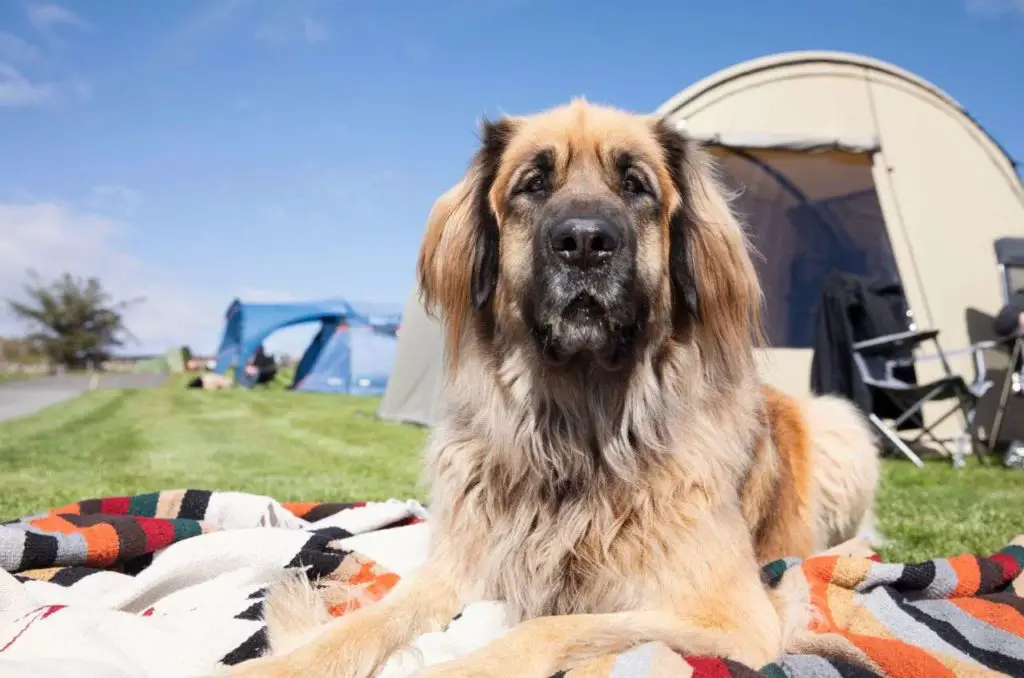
(605, 507)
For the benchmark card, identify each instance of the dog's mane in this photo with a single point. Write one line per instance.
(564, 461)
(522, 453)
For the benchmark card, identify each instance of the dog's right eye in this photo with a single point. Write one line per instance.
(534, 183)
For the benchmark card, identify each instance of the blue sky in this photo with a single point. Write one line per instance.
(192, 151)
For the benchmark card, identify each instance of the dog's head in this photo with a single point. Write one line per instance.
(593, 234)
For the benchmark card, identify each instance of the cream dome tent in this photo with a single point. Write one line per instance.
(413, 393)
(850, 163)
(842, 162)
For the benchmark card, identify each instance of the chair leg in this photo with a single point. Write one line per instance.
(969, 408)
(928, 431)
(962, 441)
(895, 440)
(977, 449)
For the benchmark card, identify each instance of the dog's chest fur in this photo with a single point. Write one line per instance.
(542, 547)
(577, 500)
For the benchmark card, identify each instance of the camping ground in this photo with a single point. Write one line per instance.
(295, 446)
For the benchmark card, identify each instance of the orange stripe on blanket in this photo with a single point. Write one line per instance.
(341, 609)
(74, 509)
(102, 543)
(898, 659)
(818, 572)
(378, 585)
(999, 615)
(300, 508)
(54, 523)
(968, 574)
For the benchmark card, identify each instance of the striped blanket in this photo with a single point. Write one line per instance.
(172, 584)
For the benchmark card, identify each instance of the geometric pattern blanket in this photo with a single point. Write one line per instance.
(172, 584)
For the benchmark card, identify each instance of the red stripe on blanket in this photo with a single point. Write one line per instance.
(708, 667)
(117, 506)
(159, 533)
(52, 609)
(1009, 564)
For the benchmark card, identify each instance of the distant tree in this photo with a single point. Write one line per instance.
(75, 321)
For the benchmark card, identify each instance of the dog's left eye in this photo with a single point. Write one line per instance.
(633, 185)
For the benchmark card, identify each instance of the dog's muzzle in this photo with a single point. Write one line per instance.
(584, 301)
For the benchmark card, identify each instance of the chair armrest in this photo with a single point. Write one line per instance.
(890, 343)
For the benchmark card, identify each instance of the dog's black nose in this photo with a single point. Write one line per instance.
(583, 241)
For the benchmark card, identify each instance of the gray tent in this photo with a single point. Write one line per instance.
(843, 162)
(414, 387)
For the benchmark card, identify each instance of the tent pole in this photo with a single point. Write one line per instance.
(894, 197)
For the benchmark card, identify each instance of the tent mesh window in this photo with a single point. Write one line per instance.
(807, 214)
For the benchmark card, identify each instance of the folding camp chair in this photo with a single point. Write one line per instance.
(877, 361)
(1010, 260)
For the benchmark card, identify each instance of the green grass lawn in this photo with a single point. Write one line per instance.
(296, 446)
(293, 446)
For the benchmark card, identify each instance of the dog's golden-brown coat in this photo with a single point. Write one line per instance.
(606, 507)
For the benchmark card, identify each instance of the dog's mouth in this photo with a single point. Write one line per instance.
(586, 333)
(584, 308)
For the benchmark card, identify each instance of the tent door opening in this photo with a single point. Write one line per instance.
(808, 213)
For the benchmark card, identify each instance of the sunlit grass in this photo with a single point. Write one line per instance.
(302, 446)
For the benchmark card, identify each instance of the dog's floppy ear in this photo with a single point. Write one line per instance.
(458, 262)
(715, 288)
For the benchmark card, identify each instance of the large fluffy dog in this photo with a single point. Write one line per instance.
(610, 466)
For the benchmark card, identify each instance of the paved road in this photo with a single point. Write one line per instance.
(22, 398)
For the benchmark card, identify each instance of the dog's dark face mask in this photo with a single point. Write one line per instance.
(584, 302)
(575, 237)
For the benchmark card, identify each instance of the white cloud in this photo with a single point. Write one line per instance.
(18, 90)
(995, 7)
(114, 199)
(16, 49)
(45, 16)
(53, 238)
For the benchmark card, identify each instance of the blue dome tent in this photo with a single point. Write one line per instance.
(352, 353)
(347, 359)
